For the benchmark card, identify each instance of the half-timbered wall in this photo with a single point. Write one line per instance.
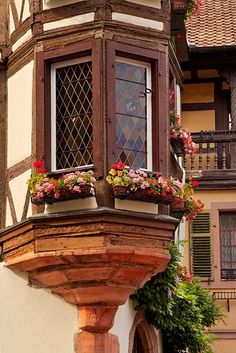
(33, 35)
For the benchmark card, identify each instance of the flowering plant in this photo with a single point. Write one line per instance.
(179, 132)
(191, 206)
(181, 194)
(193, 7)
(42, 188)
(175, 302)
(153, 183)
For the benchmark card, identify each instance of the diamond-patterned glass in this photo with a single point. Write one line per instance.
(228, 243)
(74, 127)
(131, 115)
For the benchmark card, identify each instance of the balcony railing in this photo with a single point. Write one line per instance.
(215, 158)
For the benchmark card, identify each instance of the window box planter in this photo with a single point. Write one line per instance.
(87, 191)
(177, 212)
(123, 193)
(178, 146)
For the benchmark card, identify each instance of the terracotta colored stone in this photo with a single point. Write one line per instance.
(94, 260)
(95, 342)
(96, 318)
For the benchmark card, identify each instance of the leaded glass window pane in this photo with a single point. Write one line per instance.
(228, 245)
(131, 114)
(74, 127)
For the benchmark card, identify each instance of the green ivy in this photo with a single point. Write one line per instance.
(175, 302)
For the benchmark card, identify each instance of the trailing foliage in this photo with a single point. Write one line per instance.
(175, 302)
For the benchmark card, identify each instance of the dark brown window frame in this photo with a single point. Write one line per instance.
(160, 128)
(44, 60)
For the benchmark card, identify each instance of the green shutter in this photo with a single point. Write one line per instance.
(200, 236)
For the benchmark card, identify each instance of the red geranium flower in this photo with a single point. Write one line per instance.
(118, 165)
(195, 183)
(41, 170)
(38, 164)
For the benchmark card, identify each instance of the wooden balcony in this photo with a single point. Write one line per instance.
(214, 165)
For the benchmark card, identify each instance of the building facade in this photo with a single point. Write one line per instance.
(208, 105)
(83, 84)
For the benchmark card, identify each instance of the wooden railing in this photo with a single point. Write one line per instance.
(216, 150)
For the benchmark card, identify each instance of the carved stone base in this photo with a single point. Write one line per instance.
(94, 259)
(90, 342)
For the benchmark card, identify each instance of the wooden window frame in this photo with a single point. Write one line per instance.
(44, 60)
(149, 102)
(53, 128)
(230, 246)
(160, 126)
(216, 209)
(103, 54)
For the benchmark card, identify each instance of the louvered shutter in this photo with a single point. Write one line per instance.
(201, 259)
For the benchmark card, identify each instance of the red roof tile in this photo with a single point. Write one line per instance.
(215, 25)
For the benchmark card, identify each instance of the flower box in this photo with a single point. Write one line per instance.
(87, 191)
(70, 186)
(123, 193)
(177, 212)
(178, 146)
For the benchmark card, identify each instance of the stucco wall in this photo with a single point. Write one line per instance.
(19, 115)
(33, 320)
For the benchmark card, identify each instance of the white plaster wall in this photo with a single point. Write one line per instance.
(49, 4)
(22, 40)
(178, 99)
(122, 325)
(26, 11)
(75, 20)
(18, 189)
(19, 115)
(11, 22)
(152, 3)
(8, 217)
(138, 21)
(33, 320)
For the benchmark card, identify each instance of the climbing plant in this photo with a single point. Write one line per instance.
(175, 302)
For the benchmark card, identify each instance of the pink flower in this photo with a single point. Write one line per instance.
(39, 195)
(77, 188)
(57, 194)
(81, 181)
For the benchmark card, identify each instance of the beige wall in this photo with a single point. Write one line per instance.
(199, 120)
(19, 115)
(33, 320)
(198, 93)
(224, 346)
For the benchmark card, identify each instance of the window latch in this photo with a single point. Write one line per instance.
(145, 93)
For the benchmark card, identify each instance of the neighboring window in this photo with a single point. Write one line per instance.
(133, 113)
(71, 108)
(228, 245)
